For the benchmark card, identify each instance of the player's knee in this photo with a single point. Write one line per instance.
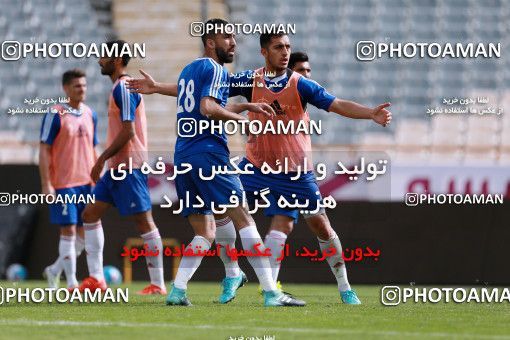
(69, 230)
(320, 226)
(282, 224)
(88, 215)
(207, 231)
(325, 233)
(145, 227)
(240, 217)
(68, 233)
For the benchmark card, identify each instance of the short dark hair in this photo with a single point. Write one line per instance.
(210, 27)
(72, 74)
(120, 44)
(265, 38)
(297, 57)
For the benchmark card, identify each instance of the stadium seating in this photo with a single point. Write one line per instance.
(44, 21)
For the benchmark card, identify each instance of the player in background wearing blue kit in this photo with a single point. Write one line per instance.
(202, 95)
(126, 144)
(66, 157)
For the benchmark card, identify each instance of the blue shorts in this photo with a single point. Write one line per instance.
(218, 190)
(305, 187)
(130, 195)
(69, 213)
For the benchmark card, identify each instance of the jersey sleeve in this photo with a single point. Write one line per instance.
(94, 119)
(214, 80)
(241, 84)
(315, 94)
(126, 101)
(50, 127)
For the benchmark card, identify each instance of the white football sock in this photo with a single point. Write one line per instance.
(250, 237)
(94, 244)
(189, 264)
(79, 245)
(275, 240)
(226, 236)
(56, 267)
(67, 256)
(336, 262)
(155, 263)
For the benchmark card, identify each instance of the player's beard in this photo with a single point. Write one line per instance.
(107, 69)
(223, 56)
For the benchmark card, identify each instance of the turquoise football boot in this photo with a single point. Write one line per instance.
(230, 286)
(177, 297)
(276, 298)
(349, 297)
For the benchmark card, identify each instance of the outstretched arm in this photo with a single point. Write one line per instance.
(263, 108)
(147, 85)
(354, 110)
(316, 95)
(211, 109)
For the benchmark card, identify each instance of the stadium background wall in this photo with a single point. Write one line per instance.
(424, 245)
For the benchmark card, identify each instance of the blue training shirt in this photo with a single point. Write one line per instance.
(204, 77)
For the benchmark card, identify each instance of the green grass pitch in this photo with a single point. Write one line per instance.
(147, 317)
